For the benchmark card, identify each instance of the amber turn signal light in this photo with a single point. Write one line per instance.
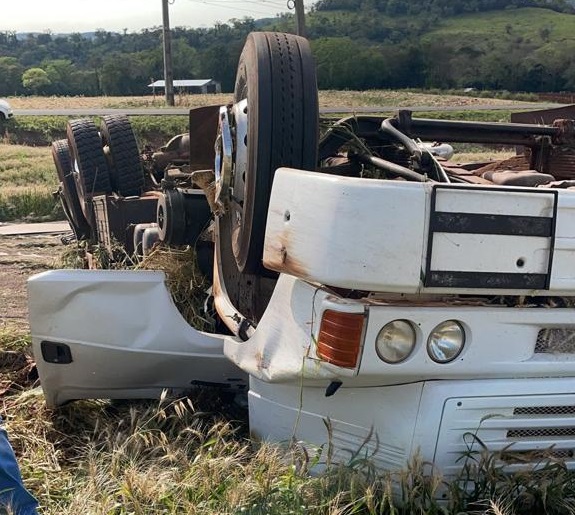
(340, 335)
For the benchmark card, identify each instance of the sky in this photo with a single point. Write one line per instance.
(116, 15)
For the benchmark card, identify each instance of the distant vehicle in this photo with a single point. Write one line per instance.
(5, 110)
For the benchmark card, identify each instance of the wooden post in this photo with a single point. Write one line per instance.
(168, 70)
(300, 18)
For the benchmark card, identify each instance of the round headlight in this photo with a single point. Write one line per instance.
(446, 341)
(395, 341)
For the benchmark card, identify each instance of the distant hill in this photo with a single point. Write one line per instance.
(438, 7)
(521, 49)
(439, 43)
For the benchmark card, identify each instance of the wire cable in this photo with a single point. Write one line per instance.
(225, 5)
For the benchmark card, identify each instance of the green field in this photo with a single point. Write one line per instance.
(27, 181)
(541, 28)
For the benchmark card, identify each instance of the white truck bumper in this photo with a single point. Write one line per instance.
(440, 420)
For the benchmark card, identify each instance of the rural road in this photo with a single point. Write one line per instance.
(330, 110)
(10, 229)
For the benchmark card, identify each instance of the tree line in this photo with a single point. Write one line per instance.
(439, 7)
(357, 44)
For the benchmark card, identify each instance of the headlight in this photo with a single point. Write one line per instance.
(395, 341)
(446, 341)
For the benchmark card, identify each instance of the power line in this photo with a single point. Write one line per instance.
(223, 4)
(274, 3)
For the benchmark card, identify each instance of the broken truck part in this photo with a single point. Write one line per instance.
(377, 295)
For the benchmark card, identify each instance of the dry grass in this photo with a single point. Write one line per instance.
(185, 282)
(115, 102)
(397, 99)
(27, 180)
(328, 98)
(22, 165)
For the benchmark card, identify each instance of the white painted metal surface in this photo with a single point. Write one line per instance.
(499, 341)
(126, 337)
(347, 232)
(377, 422)
(438, 420)
(501, 253)
(282, 348)
(6, 111)
(374, 235)
(495, 201)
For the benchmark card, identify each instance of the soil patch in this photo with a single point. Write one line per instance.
(20, 258)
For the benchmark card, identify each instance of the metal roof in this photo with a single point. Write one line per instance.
(182, 83)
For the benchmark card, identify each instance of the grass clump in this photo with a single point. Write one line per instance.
(27, 181)
(186, 283)
(36, 204)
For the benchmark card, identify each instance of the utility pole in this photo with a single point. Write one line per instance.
(168, 70)
(300, 18)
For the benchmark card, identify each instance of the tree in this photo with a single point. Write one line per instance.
(35, 80)
(60, 73)
(345, 64)
(124, 74)
(10, 76)
(185, 60)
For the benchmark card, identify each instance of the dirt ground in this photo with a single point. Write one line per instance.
(20, 258)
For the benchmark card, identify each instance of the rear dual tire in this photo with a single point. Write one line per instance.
(92, 174)
(126, 171)
(68, 193)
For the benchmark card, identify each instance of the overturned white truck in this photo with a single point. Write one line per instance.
(373, 294)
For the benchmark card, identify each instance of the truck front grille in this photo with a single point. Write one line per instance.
(555, 341)
(521, 431)
(538, 432)
(537, 411)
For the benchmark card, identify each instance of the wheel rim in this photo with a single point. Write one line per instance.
(241, 121)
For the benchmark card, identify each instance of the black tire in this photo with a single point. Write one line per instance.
(276, 74)
(126, 171)
(93, 172)
(68, 192)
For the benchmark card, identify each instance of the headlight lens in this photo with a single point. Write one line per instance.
(395, 341)
(446, 341)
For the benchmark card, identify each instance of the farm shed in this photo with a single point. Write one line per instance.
(196, 86)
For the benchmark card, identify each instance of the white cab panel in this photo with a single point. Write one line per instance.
(117, 334)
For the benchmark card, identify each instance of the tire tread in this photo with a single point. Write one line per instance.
(86, 148)
(127, 173)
